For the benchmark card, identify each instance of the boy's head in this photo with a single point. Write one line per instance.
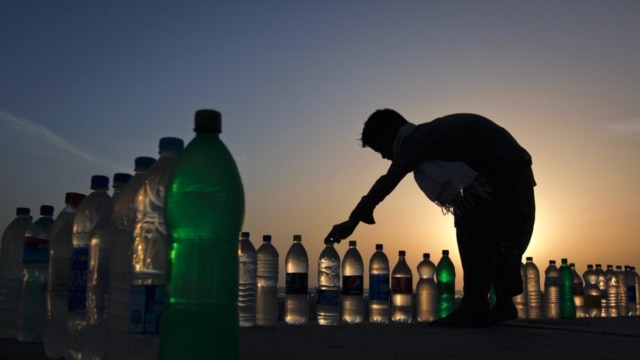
(380, 131)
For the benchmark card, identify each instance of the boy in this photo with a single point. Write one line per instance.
(474, 169)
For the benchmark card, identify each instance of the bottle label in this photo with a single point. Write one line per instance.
(328, 297)
(78, 278)
(353, 285)
(379, 287)
(631, 293)
(402, 285)
(297, 284)
(147, 303)
(36, 251)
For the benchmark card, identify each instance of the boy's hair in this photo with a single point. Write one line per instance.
(382, 124)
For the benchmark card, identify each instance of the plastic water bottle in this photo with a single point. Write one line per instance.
(267, 283)
(296, 301)
(328, 310)
(246, 281)
(149, 253)
(379, 294)
(630, 279)
(637, 281)
(92, 214)
(11, 272)
(622, 291)
(426, 291)
(567, 301)
(35, 258)
(612, 291)
(591, 293)
(446, 281)
(60, 246)
(204, 212)
(401, 291)
(534, 301)
(352, 285)
(123, 219)
(602, 285)
(520, 300)
(552, 291)
(578, 292)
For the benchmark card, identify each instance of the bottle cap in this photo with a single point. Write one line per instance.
(245, 235)
(75, 198)
(208, 120)
(379, 246)
(426, 256)
(266, 238)
(99, 182)
(22, 211)
(564, 260)
(589, 266)
(120, 179)
(401, 253)
(552, 262)
(529, 258)
(297, 238)
(445, 252)
(142, 163)
(328, 241)
(352, 243)
(46, 210)
(172, 144)
(599, 265)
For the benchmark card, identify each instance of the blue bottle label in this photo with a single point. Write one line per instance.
(78, 278)
(328, 297)
(379, 287)
(297, 284)
(353, 285)
(36, 251)
(147, 303)
(631, 293)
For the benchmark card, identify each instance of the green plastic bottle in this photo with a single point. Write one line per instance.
(203, 214)
(567, 304)
(446, 282)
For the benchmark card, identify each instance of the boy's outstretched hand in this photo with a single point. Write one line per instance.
(342, 230)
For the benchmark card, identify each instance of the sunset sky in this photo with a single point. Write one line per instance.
(85, 87)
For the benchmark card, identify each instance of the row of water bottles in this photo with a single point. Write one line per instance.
(340, 294)
(91, 283)
(567, 294)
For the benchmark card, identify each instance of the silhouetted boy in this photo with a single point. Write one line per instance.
(474, 169)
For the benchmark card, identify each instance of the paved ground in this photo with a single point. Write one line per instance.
(607, 338)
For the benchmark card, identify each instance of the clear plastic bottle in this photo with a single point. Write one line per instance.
(552, 291)
(401, 291)
(379, 294)
(630, 279)
(246, 281)
(92, 214)
(296, 302)
(578, 292)
(60, 247)
(591, 293)
(117, 342)
(204, 212)
(534, 297)
(328, 310)
(622, 291)
(446, 281)
(267, 283)
(520, 300)
(637, 281)
(612, 291)
(567, 301)
(426, 290)
(11, 272)
(602, 286)
(352, 304)
(35, 258)
(149, 261)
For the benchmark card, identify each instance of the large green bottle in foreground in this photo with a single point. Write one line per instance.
(204, 214)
